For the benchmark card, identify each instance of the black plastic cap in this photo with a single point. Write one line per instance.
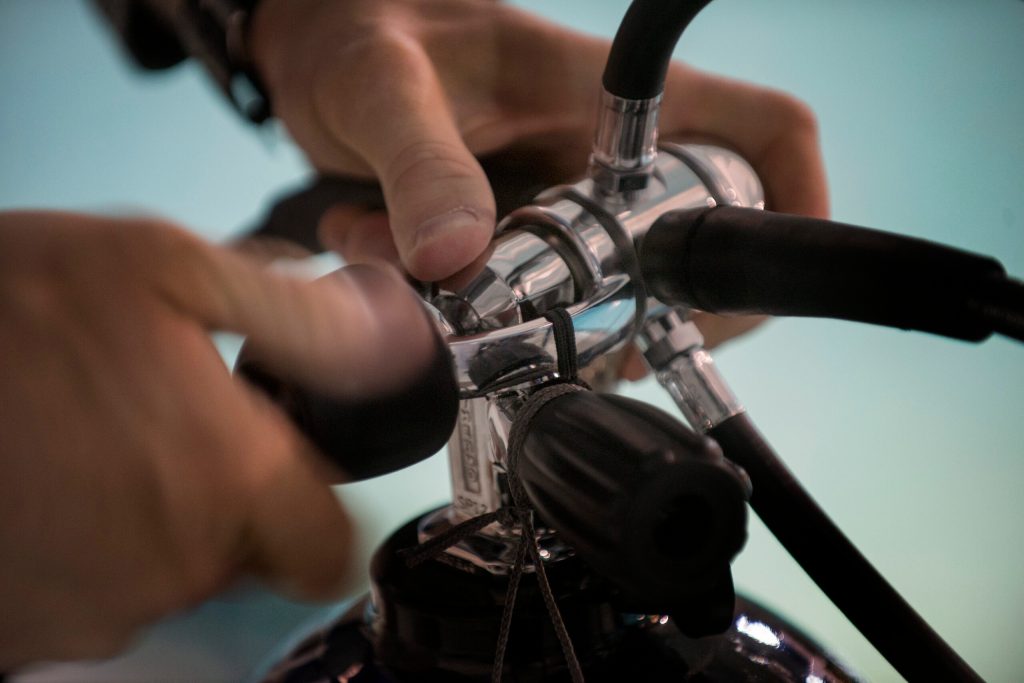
(375, 436)
(650, 505)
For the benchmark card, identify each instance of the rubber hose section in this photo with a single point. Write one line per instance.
(643, 46)
(732, 260)
(873, 606)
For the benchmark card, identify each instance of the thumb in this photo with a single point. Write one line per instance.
(440, 205)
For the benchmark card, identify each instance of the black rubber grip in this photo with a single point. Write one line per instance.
(835, 564)
(734, 260)
(1001, 305)
(643, 45)
(374, 436)
(649, 504)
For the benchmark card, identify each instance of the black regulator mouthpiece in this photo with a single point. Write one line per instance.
(647, 503)
(376, 435)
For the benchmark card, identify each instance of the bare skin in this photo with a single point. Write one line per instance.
(411, 92)
(137, 475)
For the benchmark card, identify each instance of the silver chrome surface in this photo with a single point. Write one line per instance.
(472, 456)
(558, 252)
(674, 349)
(759, 645)
(602, 325)
(625, 145)
(478, 452)
(728, 177)
(767, 642)
(522, 267)
(562, 251)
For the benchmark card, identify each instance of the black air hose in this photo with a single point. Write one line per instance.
(643, 46)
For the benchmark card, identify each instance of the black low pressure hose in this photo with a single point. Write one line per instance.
(733, 260)
(899, 633)
(643, 46)
(636, 70)
(1000, 305)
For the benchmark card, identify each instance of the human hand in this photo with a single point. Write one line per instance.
(413, 91)
(137, 477)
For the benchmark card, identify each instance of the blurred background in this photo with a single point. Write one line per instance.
(913, 444)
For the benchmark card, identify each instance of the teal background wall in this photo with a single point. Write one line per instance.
(913, 444)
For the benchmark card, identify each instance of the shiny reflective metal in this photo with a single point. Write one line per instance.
(767, 644)
(478, 453)
(566, 250)
(674, 350)
(625, 145)
(560, 252)
(574, 247)
(473, 458)
(758, 646)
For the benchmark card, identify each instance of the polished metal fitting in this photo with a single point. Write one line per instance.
(674, 350)
(559, 251)
(626, 144)
(562, 251)
(478, 455)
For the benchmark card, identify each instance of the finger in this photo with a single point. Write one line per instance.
(717, 329)
(265, 250)
(775, 132)
(357, 333)
(439, 202)
(360, 235)
(296, 535)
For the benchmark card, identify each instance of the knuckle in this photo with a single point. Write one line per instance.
(177, 259)
(793, 113)
(177, 245)
(357, 67)
(369, 51)
(431, 160)
(154, 244)
(375, 40)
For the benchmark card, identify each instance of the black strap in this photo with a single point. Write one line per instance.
(431, 549)
(565, 343)
(528, 539)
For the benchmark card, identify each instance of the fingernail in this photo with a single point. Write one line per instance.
(450, 223)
